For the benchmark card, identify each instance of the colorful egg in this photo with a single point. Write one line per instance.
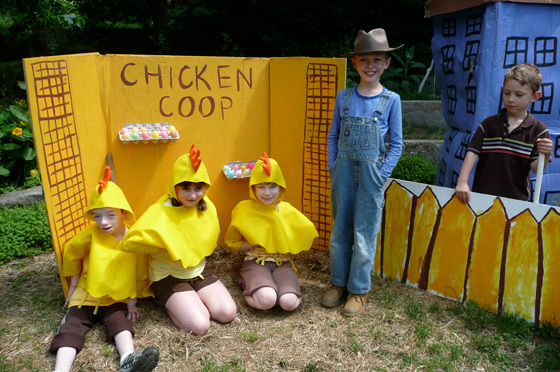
(171, 127)
(145, 135)
(242, 167)
(246, 172)
(164, 134)
(125, 136)
(173, 133)
(135, 136)
(135, 130)
(155, 134)
(229, 173)
(250, 165)
(124, 130)
(143, 129)
(238, 173)
(235, 167)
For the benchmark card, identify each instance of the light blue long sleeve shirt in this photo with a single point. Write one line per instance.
(390, 125)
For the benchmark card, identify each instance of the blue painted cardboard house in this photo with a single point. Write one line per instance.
(475, 42)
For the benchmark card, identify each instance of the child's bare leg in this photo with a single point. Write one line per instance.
(263, 298)
(289, 301)
(64, 358)
(188, 312)
(218, 301)
(125, 343)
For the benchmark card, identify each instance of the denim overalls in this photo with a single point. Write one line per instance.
(357, 197)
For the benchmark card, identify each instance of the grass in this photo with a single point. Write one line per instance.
(403, 329)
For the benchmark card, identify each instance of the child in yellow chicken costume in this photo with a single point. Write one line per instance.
(179, 231)
(104, 282)
(269, 231)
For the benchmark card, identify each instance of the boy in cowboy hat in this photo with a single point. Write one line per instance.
(363, 118)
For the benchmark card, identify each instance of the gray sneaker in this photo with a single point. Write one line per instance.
(144, 361)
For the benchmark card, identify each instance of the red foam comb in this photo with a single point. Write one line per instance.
(195, 158)
(266, 166)
(106, 178)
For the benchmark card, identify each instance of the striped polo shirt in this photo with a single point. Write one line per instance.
(504, 159)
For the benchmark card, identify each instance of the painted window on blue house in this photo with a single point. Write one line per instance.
(545, 51)
(471, 99)
(449, 27)
(447, 53)
(474, 25)
(516, 51)
(451, 99)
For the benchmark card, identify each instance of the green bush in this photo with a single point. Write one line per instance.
(415, 168)
(24, 231)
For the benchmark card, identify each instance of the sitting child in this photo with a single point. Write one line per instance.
(104, 284)
(269, 230)
(179, 231)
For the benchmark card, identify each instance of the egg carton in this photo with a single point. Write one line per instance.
(236, 170)
(127, 136)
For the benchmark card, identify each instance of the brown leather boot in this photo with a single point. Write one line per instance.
(355, 304)
(333, 297)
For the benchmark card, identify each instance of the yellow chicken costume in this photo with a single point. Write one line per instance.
(107, 275)
(279, 228)
(178, 238)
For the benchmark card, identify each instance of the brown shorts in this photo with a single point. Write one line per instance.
(78, 321)
(282, 279)
(163, 289)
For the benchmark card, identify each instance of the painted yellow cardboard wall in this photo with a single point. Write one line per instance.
(231, 108)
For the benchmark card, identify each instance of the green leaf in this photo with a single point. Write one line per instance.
(11, 146)
(4, 116)
(22, 85)
(20, 113)
(27, 133)
(29, 154)
(4, 172)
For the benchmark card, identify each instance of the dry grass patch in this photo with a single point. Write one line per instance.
(404, 329)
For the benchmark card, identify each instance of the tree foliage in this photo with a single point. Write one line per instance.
(253, 28)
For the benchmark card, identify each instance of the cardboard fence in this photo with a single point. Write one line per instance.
(475, 42)
(232, 109)
(500, 253)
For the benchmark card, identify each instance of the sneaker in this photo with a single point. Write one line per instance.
(355, 304)
(333, 297)
(141, 361)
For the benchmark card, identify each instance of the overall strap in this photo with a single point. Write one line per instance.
(346, 101)
(383, 103)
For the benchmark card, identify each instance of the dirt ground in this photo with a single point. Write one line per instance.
(311, 338)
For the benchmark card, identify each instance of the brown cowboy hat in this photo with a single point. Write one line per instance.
(370, 42)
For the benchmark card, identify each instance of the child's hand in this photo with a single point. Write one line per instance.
(133, 313)
(545, 146)
(73, 285)
(70, 293)
(463, 192)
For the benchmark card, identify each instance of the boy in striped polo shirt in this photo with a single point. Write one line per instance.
(507, 145)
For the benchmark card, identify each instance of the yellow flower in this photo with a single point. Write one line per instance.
(33, 172)
(17, 131)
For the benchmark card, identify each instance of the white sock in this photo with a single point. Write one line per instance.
(123, 357)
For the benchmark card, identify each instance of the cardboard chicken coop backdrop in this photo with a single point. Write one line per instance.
(474, 44)
(235, 108)
(232, 109)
